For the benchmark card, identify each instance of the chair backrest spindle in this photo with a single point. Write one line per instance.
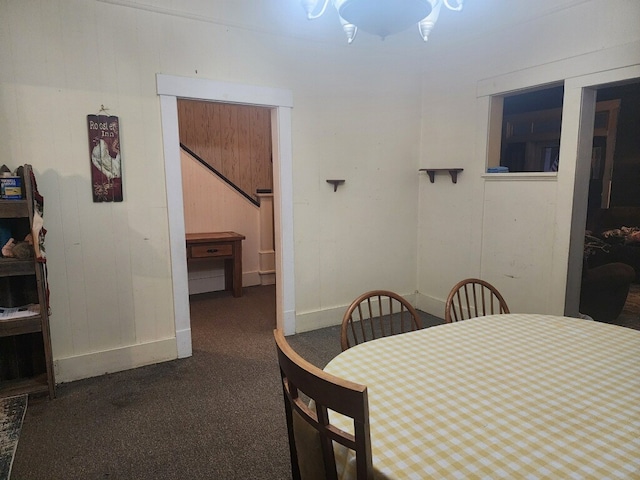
(471, 298)
(384, 315)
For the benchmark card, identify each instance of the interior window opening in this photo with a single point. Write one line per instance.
(531, 130)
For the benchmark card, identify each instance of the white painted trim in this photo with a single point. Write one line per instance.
(266, 260)
(520, 176)
(430, 304)
(580, 92)
(169, 88)
(175, 211)
(94, 364)
(327, 317)
(579, 107)
(330, 317)
(283, 219)
(268, 278)
(617, 64)
(202, 89)
(598, 79)
(608, 60)
(183, 342)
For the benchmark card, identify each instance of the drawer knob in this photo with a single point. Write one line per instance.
(212, 250)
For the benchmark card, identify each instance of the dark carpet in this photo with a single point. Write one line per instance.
(12, 410)
(216, 415)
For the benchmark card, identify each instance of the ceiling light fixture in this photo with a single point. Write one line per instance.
(383, 17)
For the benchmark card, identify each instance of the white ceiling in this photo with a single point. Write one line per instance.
(288, 18)
(477, 16)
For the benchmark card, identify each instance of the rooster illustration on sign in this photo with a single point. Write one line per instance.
(106, 162)
(109, 166)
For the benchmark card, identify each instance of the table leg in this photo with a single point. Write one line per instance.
(229, 275)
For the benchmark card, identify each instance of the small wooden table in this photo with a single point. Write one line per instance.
(223, 245)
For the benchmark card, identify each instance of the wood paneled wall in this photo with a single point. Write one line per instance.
(233, 139)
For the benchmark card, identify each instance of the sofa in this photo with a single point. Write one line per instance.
(604, 290)
(611, 261)
(613, 235)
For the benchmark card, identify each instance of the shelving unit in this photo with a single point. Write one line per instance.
(26, 365)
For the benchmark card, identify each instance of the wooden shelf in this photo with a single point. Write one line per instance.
(452, 171)
(25, 342)
(14, 209)
(20, 326)
(11, 267)
(30, 385)
(335, 183)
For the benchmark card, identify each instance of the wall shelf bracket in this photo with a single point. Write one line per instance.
(335, 183)
(432, 173)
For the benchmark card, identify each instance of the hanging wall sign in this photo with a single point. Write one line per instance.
(106, 162)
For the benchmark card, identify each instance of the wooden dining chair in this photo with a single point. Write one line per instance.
(309, 393)
(472, 298)
(375, 314)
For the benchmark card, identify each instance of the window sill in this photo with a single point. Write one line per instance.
(544, 176)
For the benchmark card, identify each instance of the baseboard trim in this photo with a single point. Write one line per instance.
(430, 305)
(94, 364)
(329, 317)
(183, 343)
(268, 278)
(306, 322)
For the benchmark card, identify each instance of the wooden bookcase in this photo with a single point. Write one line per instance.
(26, 364)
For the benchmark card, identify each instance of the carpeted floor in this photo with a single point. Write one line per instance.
(216, 415)
(12, 410)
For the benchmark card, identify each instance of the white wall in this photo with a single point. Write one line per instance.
(514, 231)
(371, 113)
(356, 117)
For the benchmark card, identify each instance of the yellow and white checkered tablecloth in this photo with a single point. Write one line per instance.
(504, 396)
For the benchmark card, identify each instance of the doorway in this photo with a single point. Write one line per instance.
(610, 176)
(169, 88)
(227, 181)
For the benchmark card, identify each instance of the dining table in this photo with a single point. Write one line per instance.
(517, 396)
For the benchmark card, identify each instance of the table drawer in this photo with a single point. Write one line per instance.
(212, 250)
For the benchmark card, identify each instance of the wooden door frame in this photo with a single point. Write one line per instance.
(169, 89)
